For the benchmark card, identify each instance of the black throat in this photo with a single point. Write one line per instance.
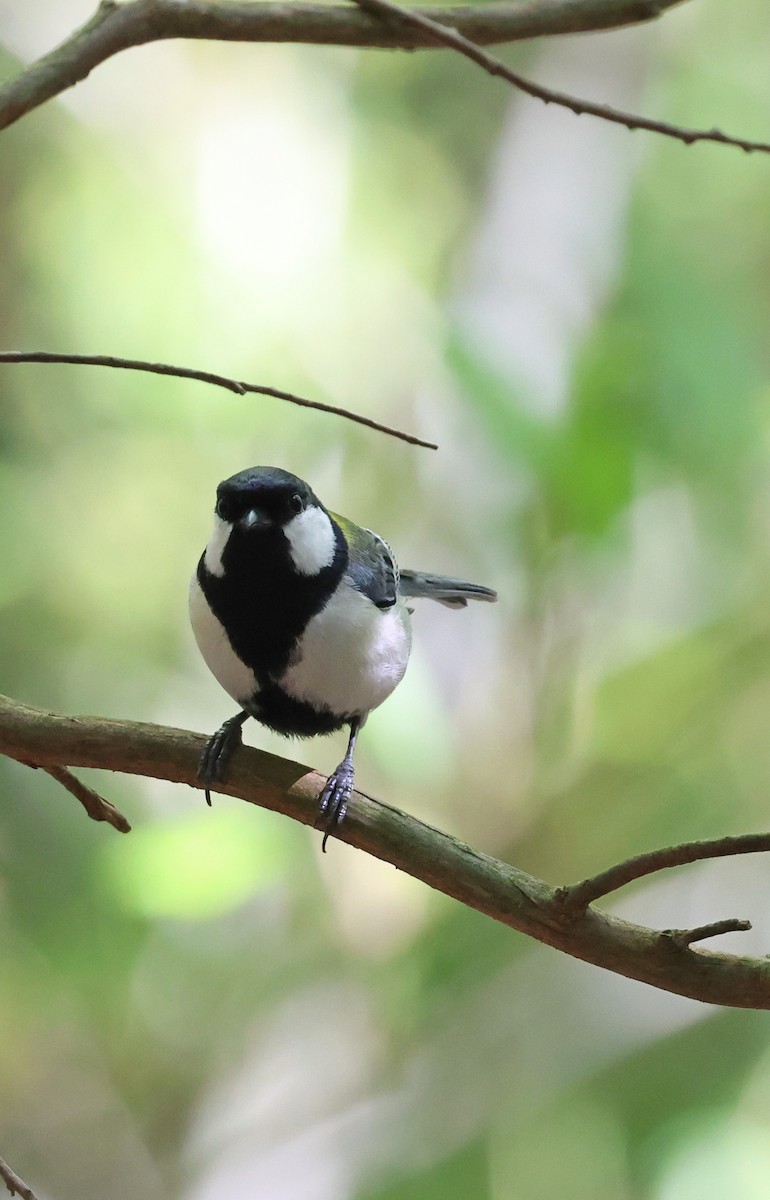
(261, 600)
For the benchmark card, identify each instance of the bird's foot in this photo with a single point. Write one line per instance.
(333, 800)
(218, 751)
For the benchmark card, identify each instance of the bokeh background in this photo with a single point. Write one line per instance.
(579, 316)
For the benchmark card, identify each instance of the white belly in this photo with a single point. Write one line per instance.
(352, 654)
(220, 658)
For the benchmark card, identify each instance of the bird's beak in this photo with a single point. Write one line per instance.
(255, 518)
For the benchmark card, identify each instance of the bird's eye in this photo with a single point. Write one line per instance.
(224, 508)
(296, 503)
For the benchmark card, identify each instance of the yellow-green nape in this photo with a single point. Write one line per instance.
(356, 537)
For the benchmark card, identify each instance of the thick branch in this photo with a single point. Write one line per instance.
(115, 27)
(239, 386)
(501, 891)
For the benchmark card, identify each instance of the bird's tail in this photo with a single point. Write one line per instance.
(455, 593)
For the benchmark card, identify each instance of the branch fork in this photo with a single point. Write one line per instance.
(682, 939)
(117, 27)
(560, 917)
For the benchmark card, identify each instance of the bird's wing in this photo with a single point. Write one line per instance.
(371, 566)
(455, 593)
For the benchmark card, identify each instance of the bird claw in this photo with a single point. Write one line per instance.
(217, 753)
(333, 800)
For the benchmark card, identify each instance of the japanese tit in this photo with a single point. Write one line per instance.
(301, 616)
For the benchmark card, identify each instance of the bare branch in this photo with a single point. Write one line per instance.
(578, 896)
(470, 49)
(95, 805)
(483, 883)
(115, 27)
(16, 1186)
(682, 938)
(231, 385)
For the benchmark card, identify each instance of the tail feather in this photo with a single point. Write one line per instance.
(455, 593)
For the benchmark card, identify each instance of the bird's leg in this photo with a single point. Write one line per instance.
(218, 752)
(333, 800)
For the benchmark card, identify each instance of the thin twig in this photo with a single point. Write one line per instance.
(95, 805)
(232, 385)
(16, 1186)
(682, 938)
(117, 27)
(456, 41)
(578, 896)
(502, 892)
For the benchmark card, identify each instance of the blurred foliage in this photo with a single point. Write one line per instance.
(207, 1007)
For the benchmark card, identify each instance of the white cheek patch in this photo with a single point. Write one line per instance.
(216, 547)
(311, 541)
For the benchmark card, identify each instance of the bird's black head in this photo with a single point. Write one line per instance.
(263, 497)
(274, 558)
(267, 520)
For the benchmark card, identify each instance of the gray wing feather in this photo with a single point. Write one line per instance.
(372, 569)
(455, 593)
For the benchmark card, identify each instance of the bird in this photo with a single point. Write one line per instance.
(302, 617)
